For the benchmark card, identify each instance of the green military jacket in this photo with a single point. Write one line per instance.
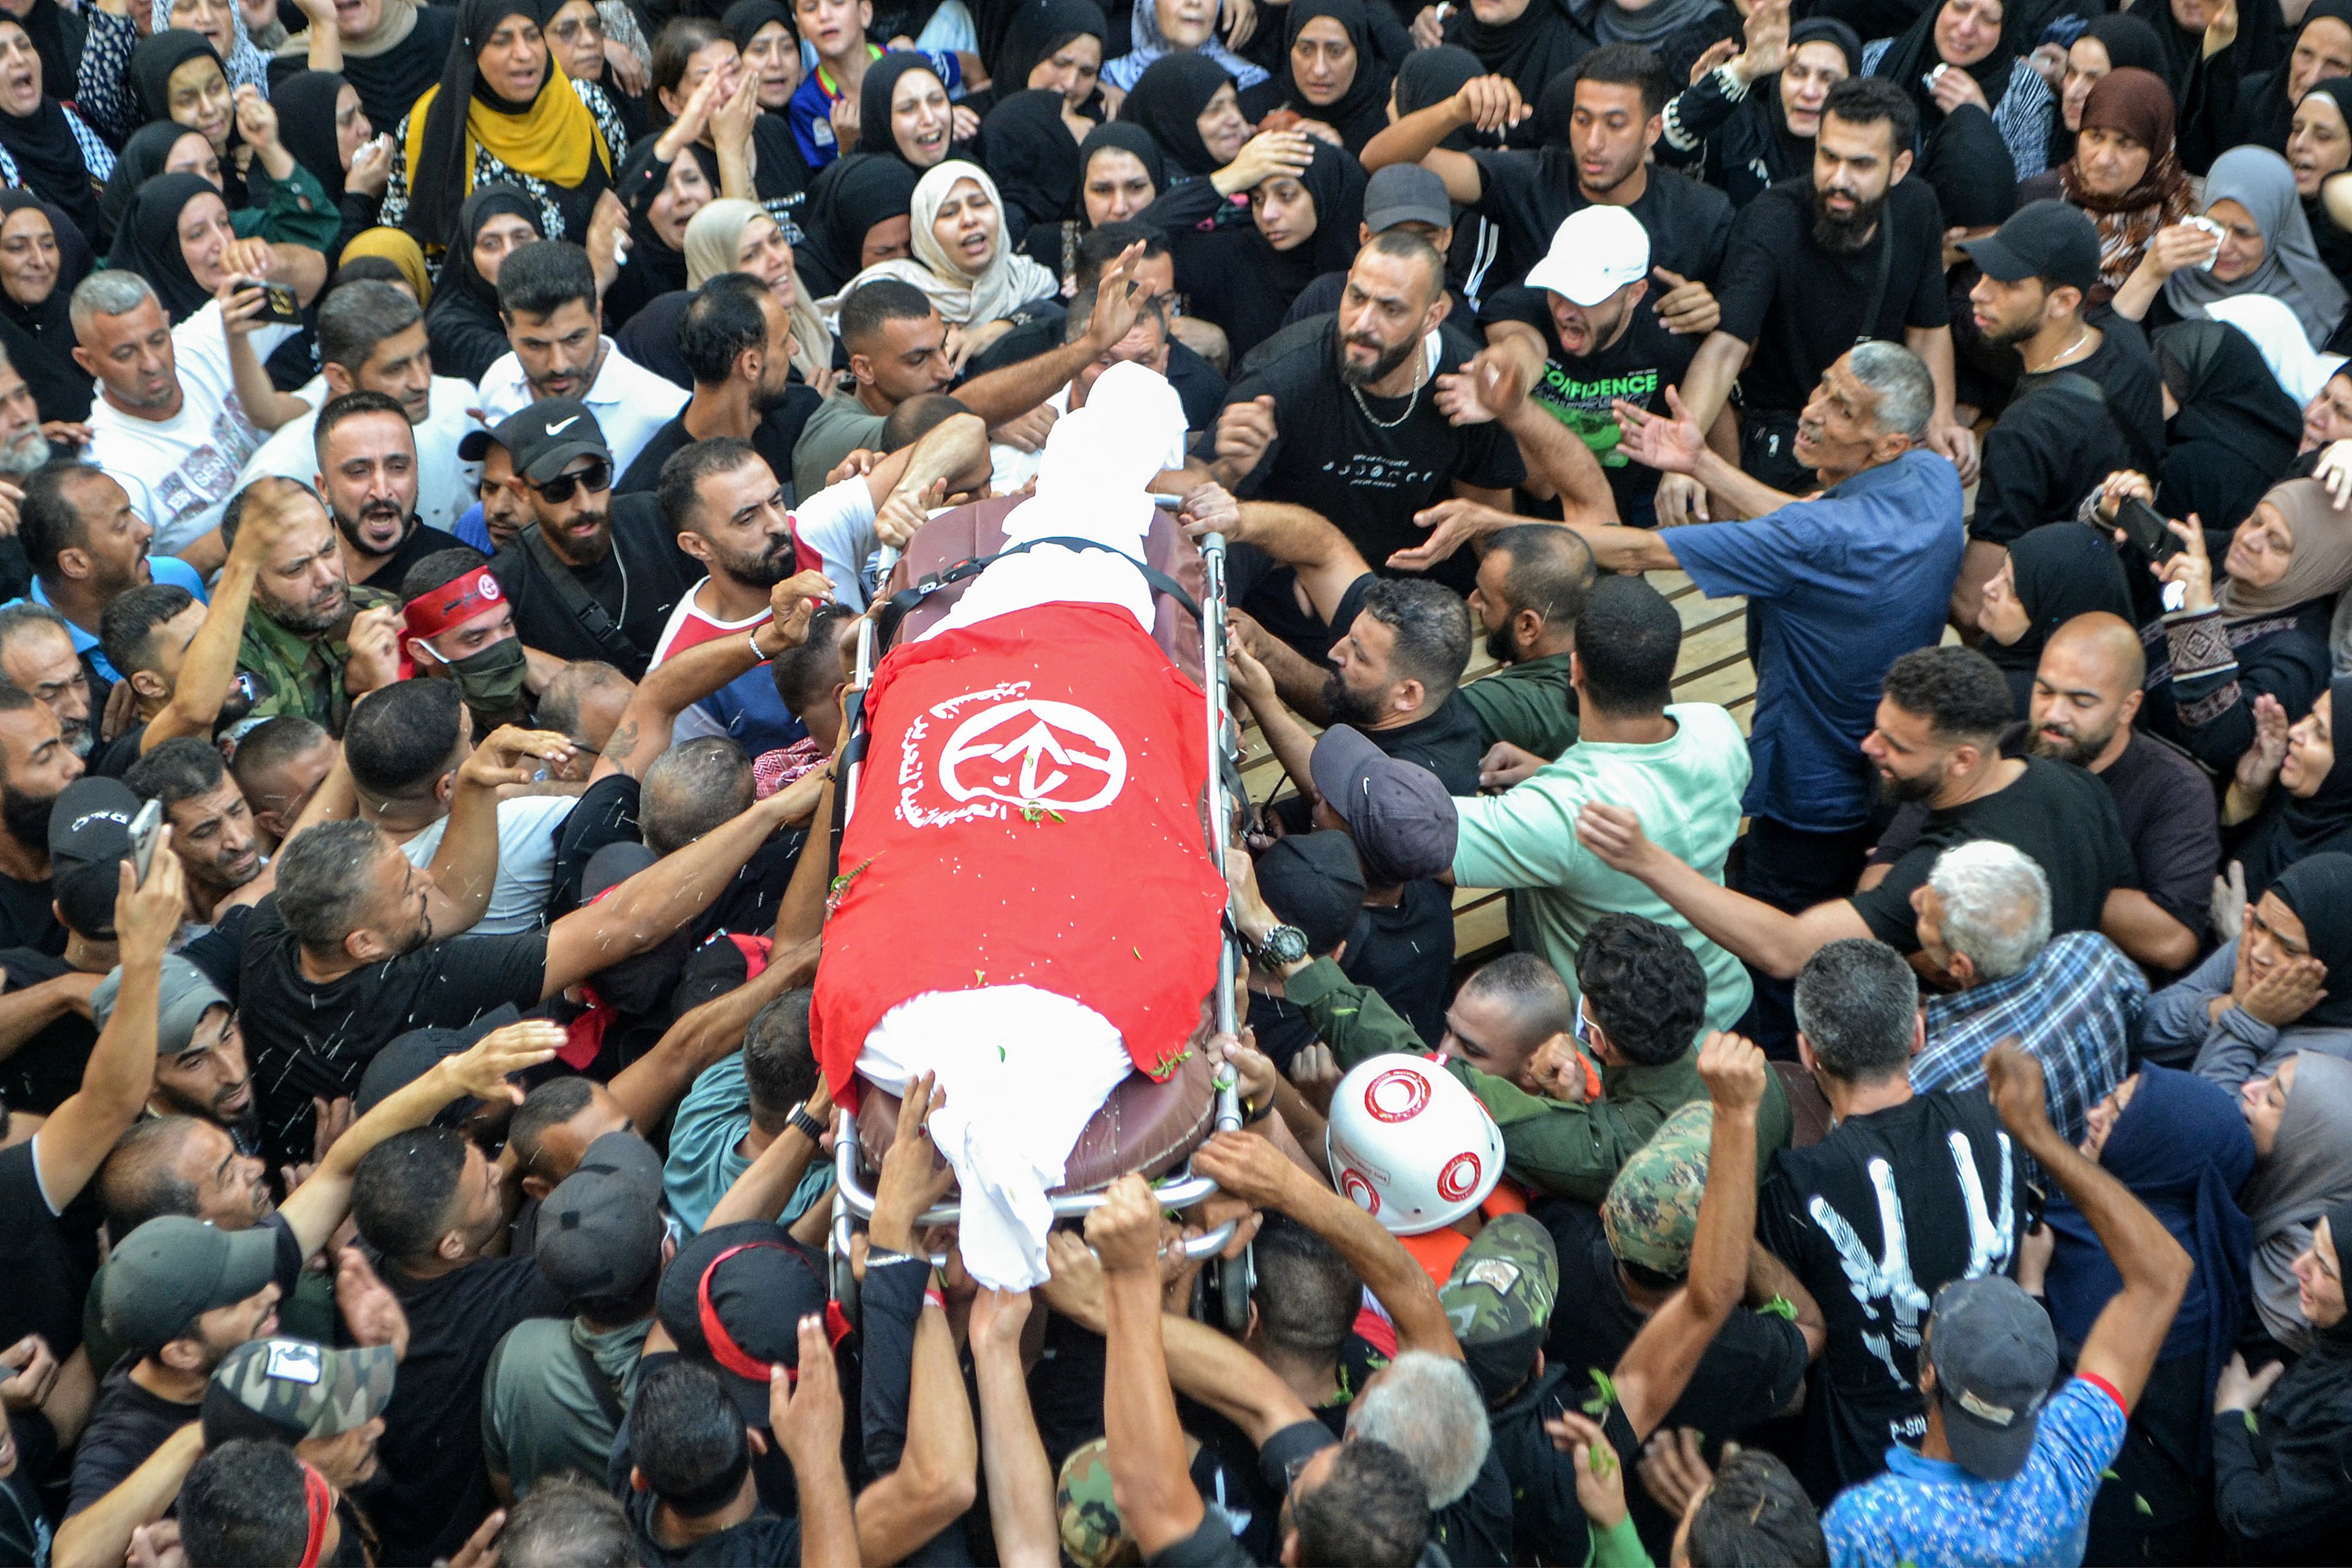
(1548, 1146)
(305, 673)
(1530, 705)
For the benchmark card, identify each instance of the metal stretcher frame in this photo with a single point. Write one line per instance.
(1178, 1190)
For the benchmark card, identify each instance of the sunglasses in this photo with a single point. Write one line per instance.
(596, 476)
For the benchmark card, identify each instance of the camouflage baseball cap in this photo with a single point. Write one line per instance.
(292, 1389)
(1499, 1299)
(1091, 1535)
(1652, 1211)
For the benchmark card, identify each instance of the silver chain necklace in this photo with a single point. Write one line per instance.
(1412, 399)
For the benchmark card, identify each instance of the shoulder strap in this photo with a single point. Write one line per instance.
(608, 1399)
(577, 601)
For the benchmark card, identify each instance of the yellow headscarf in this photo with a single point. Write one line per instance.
(395, 246)
(552, 139)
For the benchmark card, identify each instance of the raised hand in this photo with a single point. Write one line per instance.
(371, 1312)
(1264, 155)
(914, 1174)
(1733, 1068)
(1244, 430)
(505, 757)
(1600, 1479)
(1490, 103)
(1248, 1168)
(791, 605)
(2014, 1083)
(1687, 307)
(1672, 443)
(483, 1069)
(373, 643)
(33, 1371)
(804, 1403)
(1125, 1230)
(1486, 387)
(146, 917)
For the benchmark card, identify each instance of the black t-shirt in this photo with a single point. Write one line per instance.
(763, 1540)
(1874, 1220)
(1446, 744)
(433, 1491)
(220, 951)
(1369, 463)
(1801, 307)
(48, 1258)
(1748, 1374)
(115, 759)
(1548, 1522)
(2055, 442)
(310, 1039)
(1529, 193)
(2059, 815)
(45, 1070)
(27, 920)
(638, 584)
(607, 814)
(1405, 952)
(423, 540)
(126, 1426)
(773, 438)
(1644, 361)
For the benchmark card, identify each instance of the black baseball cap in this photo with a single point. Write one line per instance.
(173, 1270)
(89, 834)
(409, 1054)
(600, 1231)
(2046, 239)
(1399, 813)
(1995, 1358)
(542, 437)
(734, 1299)
(1311, 880)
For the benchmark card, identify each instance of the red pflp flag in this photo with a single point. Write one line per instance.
(1029, 814)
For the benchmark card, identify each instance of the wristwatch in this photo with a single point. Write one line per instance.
(1282, 945)
(811, 1128)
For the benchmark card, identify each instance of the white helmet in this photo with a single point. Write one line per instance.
(1410, 1145)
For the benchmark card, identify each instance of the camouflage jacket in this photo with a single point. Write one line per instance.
(305, 673)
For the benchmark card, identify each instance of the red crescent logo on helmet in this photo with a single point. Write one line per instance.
(1460, 1177)
(1361, 1192)
(1396, 1095)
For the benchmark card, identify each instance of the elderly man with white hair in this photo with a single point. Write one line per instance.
(2074, 1001)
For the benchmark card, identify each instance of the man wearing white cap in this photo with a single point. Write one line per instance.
(1580, 327)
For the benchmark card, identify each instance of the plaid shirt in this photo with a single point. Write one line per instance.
(2076, 1008)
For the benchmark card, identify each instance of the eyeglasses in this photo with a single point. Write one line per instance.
(596, 476)
(568, 31)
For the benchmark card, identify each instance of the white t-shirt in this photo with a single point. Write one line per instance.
(630, 402)
(180, 472)
(526, 861)
(446, 482)
(837, 522)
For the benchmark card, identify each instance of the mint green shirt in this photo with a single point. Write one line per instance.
(1687, 791)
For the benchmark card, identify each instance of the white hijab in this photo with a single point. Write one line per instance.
(1010, 281)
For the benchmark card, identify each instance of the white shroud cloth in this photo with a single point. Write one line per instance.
(1008, 1132)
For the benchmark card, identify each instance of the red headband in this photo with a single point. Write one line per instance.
(460, 599)
(723, 1348)
(320, 1502)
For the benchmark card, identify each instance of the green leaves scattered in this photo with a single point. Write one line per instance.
(2251, 1425)
(1604, 1395)
(2140, 1507)
(1779, 1307)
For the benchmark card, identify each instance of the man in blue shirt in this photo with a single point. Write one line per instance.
(2007, 1471)
(87, 546)
(1839, 585)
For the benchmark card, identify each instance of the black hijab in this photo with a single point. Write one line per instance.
(61, 57)
(2236, 431)
(2261, 42)
(2062, 571)
(1027, 148)
(1168, 100)
(1429, 77)
(1542, 44)
(1126, 138)
(873, 100)
(463, 319)
(1336, 180)
(1033, 31)
(1361, 113)
(40, 338)
(2311, 1406)
(2130, 43)
(2269, 118)
(142, 159)
(305, 102)
(742, 20)
(148, 242)
(1913, 55)
(1969, 168)
(851, 195)
(436, 185)
(653, 268)
(48, 159)
(2290, 829)
(161, 53)
(2318, 888)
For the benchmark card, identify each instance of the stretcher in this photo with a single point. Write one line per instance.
(1147, 1127)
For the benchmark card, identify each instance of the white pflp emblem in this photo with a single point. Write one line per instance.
(1035, 753)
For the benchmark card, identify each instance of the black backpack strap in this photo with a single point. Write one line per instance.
(608, 1398)
(2075, 383)
(906, 599)
(578, 602)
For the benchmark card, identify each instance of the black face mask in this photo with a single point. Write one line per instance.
(492, 679)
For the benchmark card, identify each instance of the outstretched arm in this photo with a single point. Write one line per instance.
(677, 683)
(209, 666)
(1150, 1477)
(1657, 1366)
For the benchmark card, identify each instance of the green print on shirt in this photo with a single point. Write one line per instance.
(1583, 406)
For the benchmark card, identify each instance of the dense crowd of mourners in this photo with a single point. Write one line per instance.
(452, 457)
